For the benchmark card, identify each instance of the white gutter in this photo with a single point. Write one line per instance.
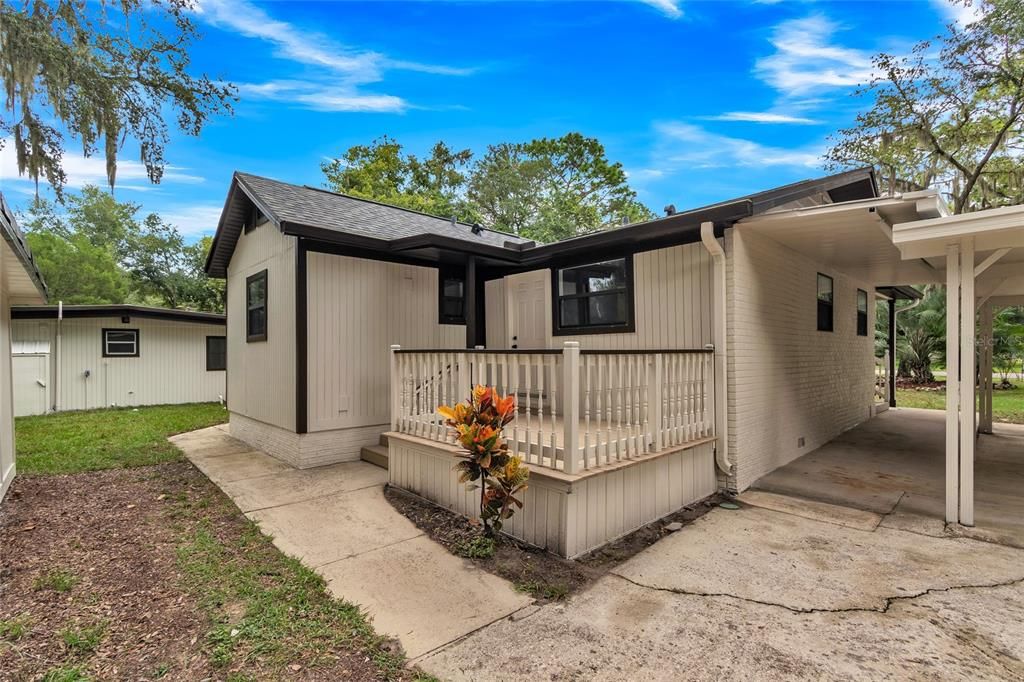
(56, 358)
(719, 306)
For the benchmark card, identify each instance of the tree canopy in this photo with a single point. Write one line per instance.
(951, 118)
(546, 189)
(99, 251)
(104, 72)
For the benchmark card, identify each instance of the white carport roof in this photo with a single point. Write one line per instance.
(998, 237)
(856, 237)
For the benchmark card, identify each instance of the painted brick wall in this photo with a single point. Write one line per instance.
(788, 380)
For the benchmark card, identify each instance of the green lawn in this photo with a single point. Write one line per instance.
(72, 442)
(1007, 406)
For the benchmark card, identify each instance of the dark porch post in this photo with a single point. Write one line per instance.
(472, 337)
(892, 352)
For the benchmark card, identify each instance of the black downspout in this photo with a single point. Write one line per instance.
(892, 352)
(301, 340)
(472, 338)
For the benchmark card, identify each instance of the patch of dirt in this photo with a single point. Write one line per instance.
(546, 576)
(96, 554)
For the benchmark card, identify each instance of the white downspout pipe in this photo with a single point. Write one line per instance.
(719, 307)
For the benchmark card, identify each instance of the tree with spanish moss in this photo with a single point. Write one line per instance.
(105, 73)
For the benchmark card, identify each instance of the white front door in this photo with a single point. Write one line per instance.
(527, 306)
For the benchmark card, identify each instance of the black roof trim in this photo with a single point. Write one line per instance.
(13, 236)
(900, 292)
(679, 228)
(49, 312)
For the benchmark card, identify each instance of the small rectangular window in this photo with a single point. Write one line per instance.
(256, 307)
(594, 298)
(120, 343)
(862, 312)
(216, 353)
(825, 303)
(452, 297)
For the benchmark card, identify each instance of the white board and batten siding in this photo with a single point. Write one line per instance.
(789, 381)
(263, 388)
(358, 308)
(170, 368)
(567, 517)
(671, 297)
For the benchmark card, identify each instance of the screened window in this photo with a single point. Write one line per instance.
(594, 298)
(862, 312)
(120, 343)
(452, 301)
(216, 353)
(256, 307)
(825, 303)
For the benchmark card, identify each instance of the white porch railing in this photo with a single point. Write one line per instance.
(576, 409)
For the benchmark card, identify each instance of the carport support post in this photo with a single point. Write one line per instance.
(968, 312)
(952, 383)
(892, 352)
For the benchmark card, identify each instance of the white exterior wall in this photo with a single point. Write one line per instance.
(170, 369)
(671, 296)
(358, 308)
(261, 375)
(7, 453)
(786, 379)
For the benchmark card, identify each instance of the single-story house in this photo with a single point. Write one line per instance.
(654, 363)
(79, 357)
(20, 282)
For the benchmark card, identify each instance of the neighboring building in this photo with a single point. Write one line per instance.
(654, 362)
(20, 282)
(78, 357)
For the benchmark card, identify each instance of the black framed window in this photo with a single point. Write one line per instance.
(825, 303)
(862, 312)
(216, 353)
(120, 343)
(594, 298)
(256, 307)
(451, 304)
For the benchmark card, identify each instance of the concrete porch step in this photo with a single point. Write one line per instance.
(375, 454)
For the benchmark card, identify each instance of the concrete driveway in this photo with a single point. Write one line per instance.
(781, 588)
(336, 521)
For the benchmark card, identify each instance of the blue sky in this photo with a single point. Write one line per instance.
(701, 101)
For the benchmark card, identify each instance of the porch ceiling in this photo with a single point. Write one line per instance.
(854, 237)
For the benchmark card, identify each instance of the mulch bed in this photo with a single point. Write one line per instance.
(546, 576)
(111, 539)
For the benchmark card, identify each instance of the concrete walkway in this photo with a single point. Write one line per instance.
(335, 520)
(781, 590)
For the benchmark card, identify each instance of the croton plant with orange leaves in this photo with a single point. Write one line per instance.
(478, 424)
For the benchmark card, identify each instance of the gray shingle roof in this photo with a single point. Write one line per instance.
(328, 210)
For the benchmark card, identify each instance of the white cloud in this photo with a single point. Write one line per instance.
(669, 8)
(193, 221)
(684, 143)
(323, 96)
(338, 70)
(958, 12)
(92, 170)
(805, 59)
(762, 117)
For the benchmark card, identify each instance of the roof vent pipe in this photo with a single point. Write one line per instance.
(454, 221)
(670, 210)
(477, 228)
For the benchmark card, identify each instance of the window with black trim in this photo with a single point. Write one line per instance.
(451, 304)
(256, 307)
(120, 343)
(216, 353)
(825, 303)
(594, 298)
(862, 312)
